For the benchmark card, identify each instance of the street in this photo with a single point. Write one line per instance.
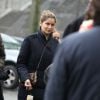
(10, 94)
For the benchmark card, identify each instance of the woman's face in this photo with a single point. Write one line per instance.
(47, 26)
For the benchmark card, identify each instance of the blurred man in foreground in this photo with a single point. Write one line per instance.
(76, 71)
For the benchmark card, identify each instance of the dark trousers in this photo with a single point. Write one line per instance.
(1, 94)
(37, 93)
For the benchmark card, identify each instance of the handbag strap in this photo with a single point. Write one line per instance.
(41, 57)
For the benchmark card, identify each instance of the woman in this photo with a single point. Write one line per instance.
(36, 53)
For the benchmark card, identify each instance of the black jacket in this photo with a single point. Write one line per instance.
(3, 74)
(76, 75)
(30, 54)
(2, 53)
(73, 26)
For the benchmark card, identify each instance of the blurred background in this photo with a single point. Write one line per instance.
(20, 17)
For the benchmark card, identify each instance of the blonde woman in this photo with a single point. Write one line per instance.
(36, 53)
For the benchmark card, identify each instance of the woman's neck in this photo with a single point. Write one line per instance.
(47, 36)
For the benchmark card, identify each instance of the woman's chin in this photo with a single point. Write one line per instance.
(49, 33)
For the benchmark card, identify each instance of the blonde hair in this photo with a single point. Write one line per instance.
(47, 14)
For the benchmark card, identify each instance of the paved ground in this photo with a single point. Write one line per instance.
(10, 94)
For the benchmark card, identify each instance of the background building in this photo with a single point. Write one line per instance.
(15, 14)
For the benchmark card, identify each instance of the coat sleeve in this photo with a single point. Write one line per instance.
(55, 89)
(2, 53)
(23, 60)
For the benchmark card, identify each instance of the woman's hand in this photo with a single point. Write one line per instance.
(28, 84)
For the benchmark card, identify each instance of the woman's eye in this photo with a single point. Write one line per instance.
(52, 24)
(48, 23)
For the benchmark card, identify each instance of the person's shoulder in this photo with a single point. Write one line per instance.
(79, 37)
(73, 39)
(32, 36)
(70, 38)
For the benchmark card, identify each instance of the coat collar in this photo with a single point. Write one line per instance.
(43, 38)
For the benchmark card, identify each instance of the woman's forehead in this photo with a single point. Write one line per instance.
(50, 20)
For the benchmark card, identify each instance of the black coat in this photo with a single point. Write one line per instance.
(76, 71)
(30, 54)
(3, 75)
(73, 26)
